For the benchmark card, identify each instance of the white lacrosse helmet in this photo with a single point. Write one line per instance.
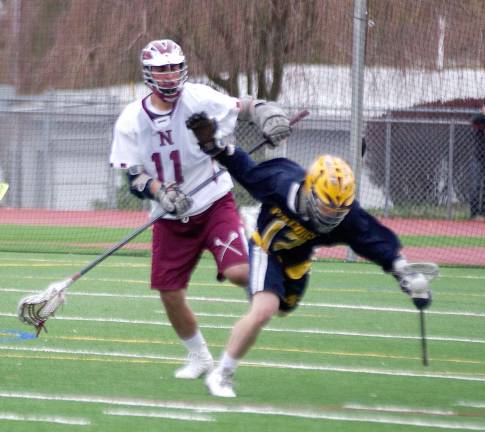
(164, 69)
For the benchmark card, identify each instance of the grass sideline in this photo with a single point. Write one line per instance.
(347, 360)
(92, 240)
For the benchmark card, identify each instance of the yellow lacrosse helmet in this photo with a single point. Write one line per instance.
(329, 191)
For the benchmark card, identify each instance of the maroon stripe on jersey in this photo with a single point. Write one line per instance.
(152, 115)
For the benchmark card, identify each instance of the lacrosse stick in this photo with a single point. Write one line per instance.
(35, 309)
(429, 271)
(424, 346)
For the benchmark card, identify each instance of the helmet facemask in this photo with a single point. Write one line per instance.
(164, 69)
(328, 192)
(325, 217)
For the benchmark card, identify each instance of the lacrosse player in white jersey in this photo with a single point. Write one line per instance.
(164, 163)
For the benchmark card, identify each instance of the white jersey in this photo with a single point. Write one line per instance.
(168, 150)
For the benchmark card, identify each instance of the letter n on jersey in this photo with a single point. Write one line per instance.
(165, 138)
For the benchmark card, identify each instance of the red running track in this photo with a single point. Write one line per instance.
(418, 227)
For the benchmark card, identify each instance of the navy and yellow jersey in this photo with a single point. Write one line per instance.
(282, 232)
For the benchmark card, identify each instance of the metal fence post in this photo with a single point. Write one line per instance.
(43, 190)
(15, 163)
(358, 64)
(451, 146)
(387, 164)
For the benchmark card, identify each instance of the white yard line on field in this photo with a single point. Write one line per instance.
(44, 419)
(174, 342)
(39, 262)
(153, 358)
(472, 404)
(399, 409)
(315, 414)
(159, 414)
(313, 331)
(229, 300)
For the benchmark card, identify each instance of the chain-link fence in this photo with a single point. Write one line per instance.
(421, 159)
(54, 153)
(416, 162)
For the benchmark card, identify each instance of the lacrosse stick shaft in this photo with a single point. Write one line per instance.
(424, 347)
(296, 118)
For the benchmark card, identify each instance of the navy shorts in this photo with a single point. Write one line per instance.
(267, 273)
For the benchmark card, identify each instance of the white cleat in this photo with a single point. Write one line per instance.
(219, 383)
(198, 363)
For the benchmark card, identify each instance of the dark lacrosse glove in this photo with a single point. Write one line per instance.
(204, 130)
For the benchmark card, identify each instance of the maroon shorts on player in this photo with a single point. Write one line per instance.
(177, 246)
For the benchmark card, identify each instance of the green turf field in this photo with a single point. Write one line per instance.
(59, 239)
(349, 359)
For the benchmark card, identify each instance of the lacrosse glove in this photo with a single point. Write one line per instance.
(172, 199)
(414, 284)
(273, 123)
(205, 130)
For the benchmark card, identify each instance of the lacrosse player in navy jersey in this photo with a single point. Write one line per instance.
(164, 163)
(301, 209)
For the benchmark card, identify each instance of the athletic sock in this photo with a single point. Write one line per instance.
(227, 362)
(195, 343)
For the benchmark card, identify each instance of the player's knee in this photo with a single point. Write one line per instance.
(261, 317)
(173, 299)
(238, 274)
(264, 306)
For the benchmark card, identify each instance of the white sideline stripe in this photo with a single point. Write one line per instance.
(205, 314)
(250, 409)
(79, 263)
(399, 409)
(294, 366)
(267, 329)
(44, 419)
(228, 300)
(390, 309)
(471, 404)
(153, 414)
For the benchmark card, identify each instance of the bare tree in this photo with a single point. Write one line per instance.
(242, 46)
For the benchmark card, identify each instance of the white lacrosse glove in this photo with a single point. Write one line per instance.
(414, 282)
(273, 122)
(172, 199)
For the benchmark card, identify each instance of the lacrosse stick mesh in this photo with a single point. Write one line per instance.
(428, 269)
(35, 309)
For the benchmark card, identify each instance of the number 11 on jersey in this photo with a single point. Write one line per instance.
(177, 166)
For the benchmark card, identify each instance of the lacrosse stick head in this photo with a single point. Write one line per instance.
(428, 269)
(35, 309)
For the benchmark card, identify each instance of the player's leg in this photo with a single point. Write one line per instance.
(179, 313)
(174, 256)
(225, 238)
(266, 277)
(244, 334)
(263, 306)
